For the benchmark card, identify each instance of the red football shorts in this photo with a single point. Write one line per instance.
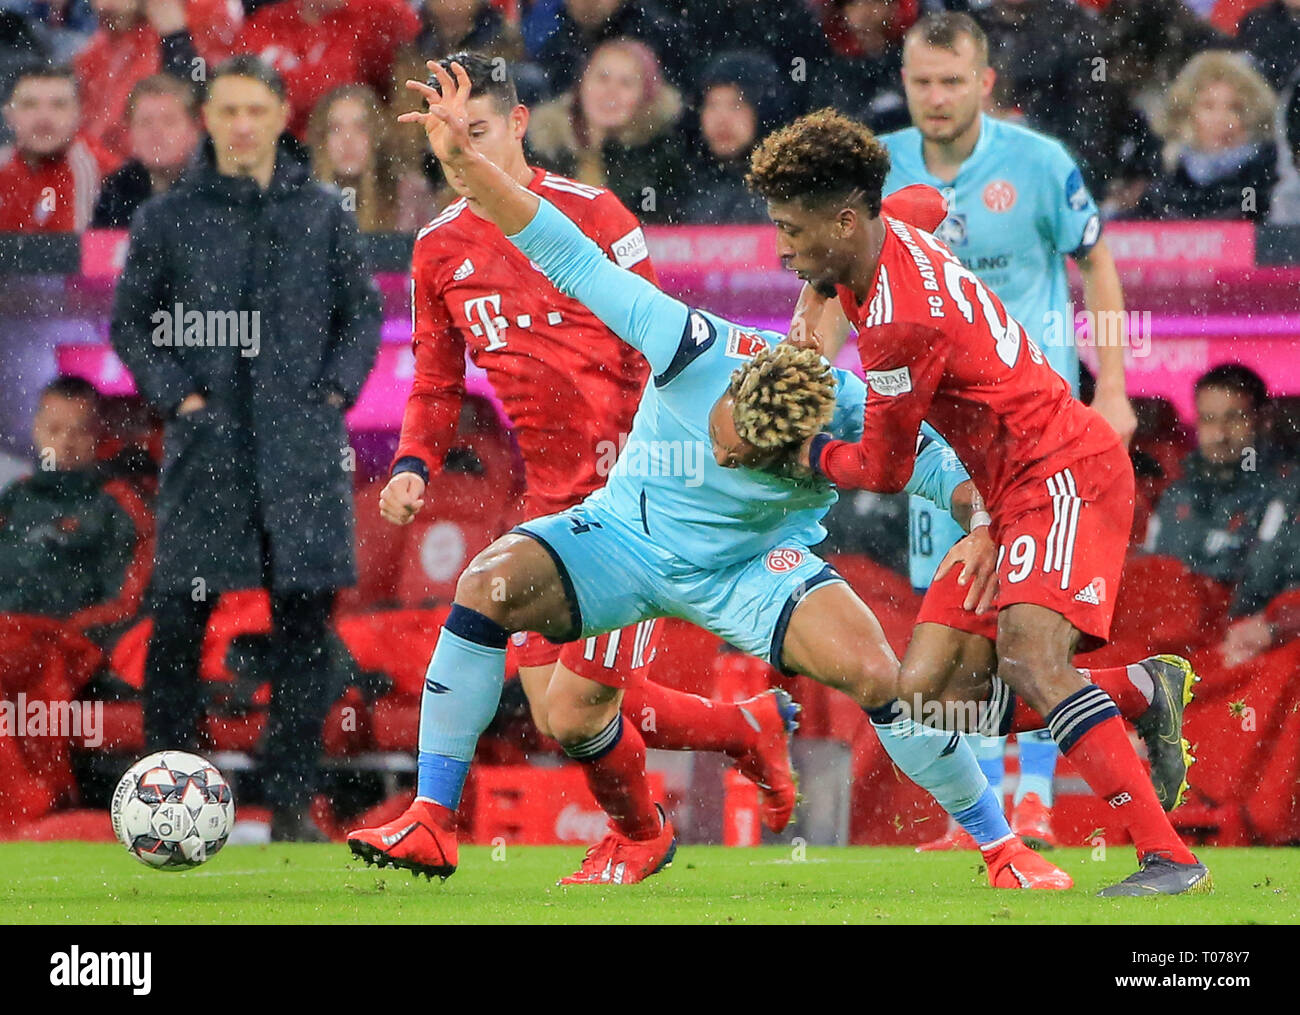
(532, 649)
(943, 605)
(618, 659)
(1063, 550)
(1066, 550)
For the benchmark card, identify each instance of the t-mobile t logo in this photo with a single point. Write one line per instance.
(484, 316)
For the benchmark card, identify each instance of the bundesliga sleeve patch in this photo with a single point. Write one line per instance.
(744, 344)
(630, 249)
(890, 383)
(1076, 194)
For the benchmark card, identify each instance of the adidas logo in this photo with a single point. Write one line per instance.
(465, 270)
(1093, 593)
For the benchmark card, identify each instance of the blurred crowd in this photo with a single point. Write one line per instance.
(1174, 108)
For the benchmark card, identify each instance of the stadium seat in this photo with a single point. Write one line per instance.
(463, 514)
(527, 805)
(380, 548)
(1161, 607)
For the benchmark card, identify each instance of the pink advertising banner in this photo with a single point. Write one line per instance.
(1197, 296)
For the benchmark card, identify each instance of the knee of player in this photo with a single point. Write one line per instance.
(484, 587)
(567, 725)
(919, 679)
(877, 679)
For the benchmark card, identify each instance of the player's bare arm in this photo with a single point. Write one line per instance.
(1104, 297)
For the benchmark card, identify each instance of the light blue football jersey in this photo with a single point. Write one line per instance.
(1016, 208)
(665, 480)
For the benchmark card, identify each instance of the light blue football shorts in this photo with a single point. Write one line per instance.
(616, 575)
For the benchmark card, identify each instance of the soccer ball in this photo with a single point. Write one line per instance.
(172, 810)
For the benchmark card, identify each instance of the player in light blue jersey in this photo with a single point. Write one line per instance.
(724, 546)
(1017, 207)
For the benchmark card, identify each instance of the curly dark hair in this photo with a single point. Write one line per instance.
(820, 158)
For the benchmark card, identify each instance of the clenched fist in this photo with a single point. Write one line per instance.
(402, 498)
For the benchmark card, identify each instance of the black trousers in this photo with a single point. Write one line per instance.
(301, 687)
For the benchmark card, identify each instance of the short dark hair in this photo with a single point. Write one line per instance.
(246, 65)
(72, 387)
(47, 71)
(488, 75)
(819, 158)
(162, 84)
(945, 28)
(1237, 378)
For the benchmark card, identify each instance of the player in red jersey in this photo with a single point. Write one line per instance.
(936, 344)
(570, 388)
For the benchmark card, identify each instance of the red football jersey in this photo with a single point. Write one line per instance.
(937, 344)
(353, 43)
(569, 385)
(53, 195)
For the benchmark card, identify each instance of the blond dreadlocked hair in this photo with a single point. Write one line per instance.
(783, 396)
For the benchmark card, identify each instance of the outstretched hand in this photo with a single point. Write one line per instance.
(446, 121)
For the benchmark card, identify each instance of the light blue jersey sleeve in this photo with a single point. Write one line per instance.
(937, 472)
(1074, 225)
(636, 311)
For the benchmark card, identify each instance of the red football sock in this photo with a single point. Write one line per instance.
(676, 721)
(618, 781)
(1104, 756)
(1128, 687)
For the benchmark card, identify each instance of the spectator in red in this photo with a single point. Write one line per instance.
(50, 180)
(348, 140)
(137, 38)
(318, 45)
(1220, 160)
(617, 129)
(162, 118)
(1271, 35)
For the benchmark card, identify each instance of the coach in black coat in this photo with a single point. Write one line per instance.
(269, 440)
(249, 321)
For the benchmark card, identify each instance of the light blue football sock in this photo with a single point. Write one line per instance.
(461, 689)
(1038, 755)
(991, 752)
(943, 764)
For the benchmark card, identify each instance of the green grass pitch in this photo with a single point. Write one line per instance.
(74, 883)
